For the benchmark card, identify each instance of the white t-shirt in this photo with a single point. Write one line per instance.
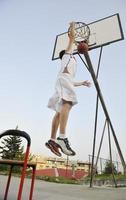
(69, 61)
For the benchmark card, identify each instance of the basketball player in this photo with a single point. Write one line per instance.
(64, 98)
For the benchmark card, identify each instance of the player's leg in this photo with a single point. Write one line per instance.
(62, 140)
(64, 114)
(51, 144)
(55, 125)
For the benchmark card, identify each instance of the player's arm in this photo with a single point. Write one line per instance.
(71, 35)
(84, 83)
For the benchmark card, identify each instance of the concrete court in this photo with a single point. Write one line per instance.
(54, 191)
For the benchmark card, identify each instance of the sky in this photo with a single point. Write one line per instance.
(28, 29)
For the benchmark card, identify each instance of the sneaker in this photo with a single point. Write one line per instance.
(53, 147)
(64, 145)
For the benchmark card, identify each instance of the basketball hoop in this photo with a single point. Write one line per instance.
(82, 32)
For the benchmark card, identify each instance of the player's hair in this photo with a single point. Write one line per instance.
(61, 54)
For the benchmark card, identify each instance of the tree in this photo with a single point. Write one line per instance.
(109, 167)
(11, 148)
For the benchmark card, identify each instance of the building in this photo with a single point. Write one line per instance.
(51, 166)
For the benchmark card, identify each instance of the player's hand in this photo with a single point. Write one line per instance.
(86, 83)
(71, 32)
(72, 24)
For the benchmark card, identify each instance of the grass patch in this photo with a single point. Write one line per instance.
(16, 173)
(107, 180)
(58, 179)
(109, 177)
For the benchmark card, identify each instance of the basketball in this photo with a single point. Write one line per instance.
(82, 47)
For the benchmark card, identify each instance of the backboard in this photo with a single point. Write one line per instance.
(102, 32)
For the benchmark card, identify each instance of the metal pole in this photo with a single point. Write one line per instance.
(110, 152)
(96, 117)
(100, 144)
(94, 142)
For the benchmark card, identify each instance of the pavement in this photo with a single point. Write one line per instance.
(55, 191)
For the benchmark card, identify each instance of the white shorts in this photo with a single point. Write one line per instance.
(64, 90)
